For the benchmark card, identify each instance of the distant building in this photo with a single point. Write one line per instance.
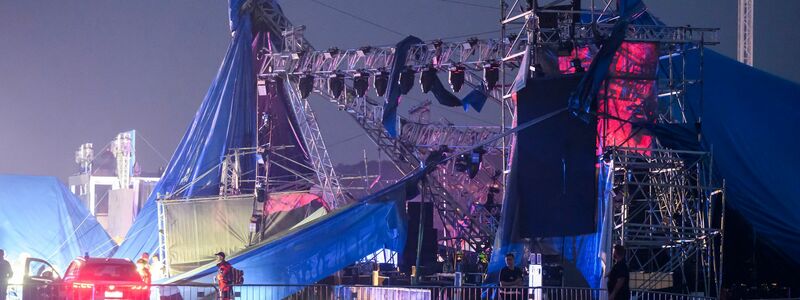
(110, 184)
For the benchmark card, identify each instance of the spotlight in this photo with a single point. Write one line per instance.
(297, 55)
(491, 74)
(330, 53)
(470, 43)
(475, 160)
(381, 81)
(363, 50)
(361, 83)
(336, 85)
(306, 85)
(406, 80)
(457, 78)
(426, 79)
(576, 63)
(462, 163)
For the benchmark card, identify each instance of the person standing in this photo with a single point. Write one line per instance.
(5, 274)
(617, 283)
(144, 272)
(224, 277)
(511, 276)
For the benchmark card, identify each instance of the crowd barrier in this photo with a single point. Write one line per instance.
(348, 292)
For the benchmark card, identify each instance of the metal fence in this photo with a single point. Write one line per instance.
(346, 292)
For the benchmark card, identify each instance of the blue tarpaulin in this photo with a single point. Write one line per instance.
(393, 89)
(749, 123)
(225, 120)
(41, 218)
(308, 254)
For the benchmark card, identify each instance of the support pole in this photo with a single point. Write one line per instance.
(420, 233)
(721, 243)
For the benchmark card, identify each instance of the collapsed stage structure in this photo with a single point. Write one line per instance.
(253, 165)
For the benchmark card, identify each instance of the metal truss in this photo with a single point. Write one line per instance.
(473, 53)
(317, 152)
(368, 114)
(433, 135)
(662, 214)
(744, 36)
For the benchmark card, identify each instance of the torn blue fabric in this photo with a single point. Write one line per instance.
(393, 90)
(308, 254)
(475, 99)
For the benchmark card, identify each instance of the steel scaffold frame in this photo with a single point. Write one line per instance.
(663, 215)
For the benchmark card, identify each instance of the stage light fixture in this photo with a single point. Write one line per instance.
(305, 85)
(426, 79)
(361, 83)
(457, 78)
(470, 43)
(491, 74)
(336, 85)
(475, 160)
(330, 53)
(406, 80)
(363, 50)
(380, 83)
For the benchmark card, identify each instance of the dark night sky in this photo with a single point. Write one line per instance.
(81, 71)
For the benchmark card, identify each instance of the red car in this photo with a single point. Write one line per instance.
(87, 278)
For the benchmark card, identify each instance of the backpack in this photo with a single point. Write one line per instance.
(237, 276)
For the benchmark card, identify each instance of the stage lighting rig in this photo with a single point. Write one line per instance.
(426, 78)
(406, 80)
(361, 83)
(457, 77)
(475, 160)
(491, 74)
(381, 82)
(336, 85)
(306, 85)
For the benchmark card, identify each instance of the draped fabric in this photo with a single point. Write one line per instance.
(476, 99)
(224, 121)
(339, 239)
(393, 89)
(41, 218)
(749, 124)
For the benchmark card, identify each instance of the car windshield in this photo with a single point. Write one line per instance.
(118, 272)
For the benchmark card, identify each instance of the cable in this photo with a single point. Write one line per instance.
(458, 112)
(360, 18)
(153, 148)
